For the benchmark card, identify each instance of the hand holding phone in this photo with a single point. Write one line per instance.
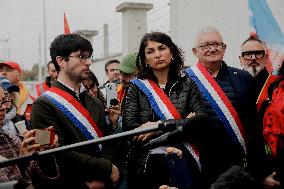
(21, 127)
(111, 94)
(45, 136)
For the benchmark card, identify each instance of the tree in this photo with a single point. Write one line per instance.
(31, 75)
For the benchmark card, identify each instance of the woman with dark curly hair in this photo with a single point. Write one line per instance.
(159, 93)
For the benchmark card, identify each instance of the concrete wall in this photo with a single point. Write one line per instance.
(134, 26)
(98, 67)
(186, 18)
(229, 16)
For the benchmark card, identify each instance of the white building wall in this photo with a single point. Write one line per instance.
(230, 17)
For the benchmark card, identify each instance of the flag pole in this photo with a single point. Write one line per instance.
(44, 42)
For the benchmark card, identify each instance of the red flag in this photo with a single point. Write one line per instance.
(66, 25)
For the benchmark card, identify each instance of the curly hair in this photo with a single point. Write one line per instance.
(175, 65)
(63, 45)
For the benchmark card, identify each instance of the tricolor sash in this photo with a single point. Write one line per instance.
(163, 107)
(74, 111)
(219, 102)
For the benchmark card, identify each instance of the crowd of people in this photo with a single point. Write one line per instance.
(223, 126)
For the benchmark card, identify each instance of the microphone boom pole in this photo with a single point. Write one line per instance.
(61, 149)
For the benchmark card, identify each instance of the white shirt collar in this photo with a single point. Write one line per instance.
(81, 88)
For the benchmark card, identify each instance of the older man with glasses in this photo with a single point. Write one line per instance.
(228, 95)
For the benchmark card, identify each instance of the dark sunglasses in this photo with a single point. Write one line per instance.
(247, 55)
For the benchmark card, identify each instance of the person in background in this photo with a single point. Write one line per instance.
(128, 70)
(112, 72)
(52, 76)
(273, 127)
(23, 99)
(229, 96)
(253, 60)
(60, 107)
(12, 147)
(9, 125)
(92, 86)
(159, 62)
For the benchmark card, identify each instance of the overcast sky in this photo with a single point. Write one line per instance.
(21, 23)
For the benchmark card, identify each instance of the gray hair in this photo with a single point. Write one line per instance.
(207, 29)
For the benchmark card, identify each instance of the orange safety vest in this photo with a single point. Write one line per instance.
(41, 88)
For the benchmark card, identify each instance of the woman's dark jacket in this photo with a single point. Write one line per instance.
(186, 97)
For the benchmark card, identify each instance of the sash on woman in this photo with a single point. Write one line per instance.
(219, 102)
(75, 112)
(164, 109)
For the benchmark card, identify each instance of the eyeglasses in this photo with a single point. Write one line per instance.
(82, 58)
(207, 46)
(4, 102)
(257, 54)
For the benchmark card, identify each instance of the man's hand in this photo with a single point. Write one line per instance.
(28, 145)
(146, 136)
(113, 114)
(172, 150)
(95, 184)
(269, 182)
(114, 177)
(192, 114)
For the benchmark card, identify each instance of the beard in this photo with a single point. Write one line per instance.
(79, 77)
(253, 70)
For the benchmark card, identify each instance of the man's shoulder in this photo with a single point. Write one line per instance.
(239, 72)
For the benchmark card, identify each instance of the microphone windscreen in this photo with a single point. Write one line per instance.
(195, 125)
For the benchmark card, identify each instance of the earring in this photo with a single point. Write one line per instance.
(172, 59)
(147, 66)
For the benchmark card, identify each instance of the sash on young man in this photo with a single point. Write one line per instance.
(163, 108)
(219, 102)
(74, 111)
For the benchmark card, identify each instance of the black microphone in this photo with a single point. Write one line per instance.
(181, 133)
(168, 125)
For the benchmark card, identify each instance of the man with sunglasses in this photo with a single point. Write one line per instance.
(76, 117)
(253, 58)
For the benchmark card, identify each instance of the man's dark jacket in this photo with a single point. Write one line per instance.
(238, 87)
(82, 164)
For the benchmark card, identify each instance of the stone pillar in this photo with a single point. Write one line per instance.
(106, 41)
(134, 24)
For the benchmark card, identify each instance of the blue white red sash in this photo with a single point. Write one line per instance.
(74, 111)
(219, 102)
(163, 107)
